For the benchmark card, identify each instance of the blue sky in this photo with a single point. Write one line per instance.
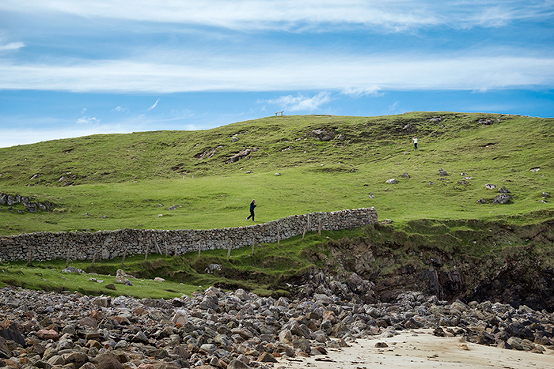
(73, 68)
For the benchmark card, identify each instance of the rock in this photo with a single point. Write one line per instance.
(180, 317)
(236, 364)
(405, 175)
(48, 334)
(391, 181)
(490, 186)
(503, 190)
(502, 199)
(442, 172)
(71, 269)
(302, 345)
(322, 134)
(100, 301)
(381, 345)
(110, 286)
(5, 352)
(121, 277)
(12, 333)
(107, 361)
(266, 357)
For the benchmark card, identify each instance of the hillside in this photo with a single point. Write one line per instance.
(325, 163)
(447, 237)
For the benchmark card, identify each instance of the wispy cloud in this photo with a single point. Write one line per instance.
(12, 46)
(392, 15)
(301, 102)
(359, 74)
(88, 121)
(153, 106)
(120, 108)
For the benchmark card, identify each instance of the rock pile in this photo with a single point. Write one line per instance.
(238, 329)
(31, 206)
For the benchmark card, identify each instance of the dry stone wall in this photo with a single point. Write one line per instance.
(111, 244)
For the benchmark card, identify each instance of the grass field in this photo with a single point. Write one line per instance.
(128, 181)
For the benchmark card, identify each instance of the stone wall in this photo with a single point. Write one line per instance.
(111, 244)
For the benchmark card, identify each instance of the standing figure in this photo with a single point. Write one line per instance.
(252, 206)
(415, 143)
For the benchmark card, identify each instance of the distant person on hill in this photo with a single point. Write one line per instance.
(252, 206)
(415, 143)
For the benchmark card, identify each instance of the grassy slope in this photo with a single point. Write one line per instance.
(118, 181)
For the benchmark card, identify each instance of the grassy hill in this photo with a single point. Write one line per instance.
(325, 163)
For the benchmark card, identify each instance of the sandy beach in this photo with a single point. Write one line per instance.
(420, 349)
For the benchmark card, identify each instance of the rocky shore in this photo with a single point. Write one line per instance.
(237, 329)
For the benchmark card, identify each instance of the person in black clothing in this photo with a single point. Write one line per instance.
(252, 206)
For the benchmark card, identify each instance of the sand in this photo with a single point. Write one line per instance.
(420, 349)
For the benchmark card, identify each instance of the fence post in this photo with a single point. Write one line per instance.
(157, 247)
(199, 249)
(94, 258)
(67, 259)
(30, 258)
(253, 244)
(146, 253)
(228, 252)
(278, 238)
(124, 254)
(319, 227)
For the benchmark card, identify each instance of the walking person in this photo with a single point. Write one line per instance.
(252, 206)
(415, 143)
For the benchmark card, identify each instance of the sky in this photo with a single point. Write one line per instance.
(75, 68)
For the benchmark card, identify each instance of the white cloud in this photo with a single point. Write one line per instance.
(355, 74)
(88, 121)
(301, 102)
(12, 46)
(120, 109)
(392, 15)
(153, 106)
(361, 91)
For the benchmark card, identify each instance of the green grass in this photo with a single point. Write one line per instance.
(118, 181)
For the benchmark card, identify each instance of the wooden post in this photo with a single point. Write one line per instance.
(67, 259)
(228, 252)
(124, 254)
(175, 250)
(199, 249)
(146, 253)
(319, 227)
(30, 258)
(253, 243)
(157, 247)
(278, 238)
(93, 258)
